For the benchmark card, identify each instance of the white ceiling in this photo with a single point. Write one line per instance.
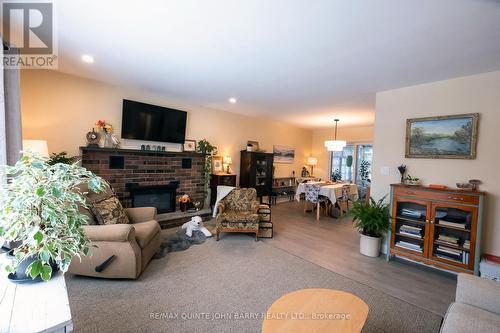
(300, 61)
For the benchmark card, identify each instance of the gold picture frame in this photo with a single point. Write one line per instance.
(217, 165)
(443, 137)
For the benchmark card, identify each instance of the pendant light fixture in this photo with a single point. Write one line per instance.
(335, 145)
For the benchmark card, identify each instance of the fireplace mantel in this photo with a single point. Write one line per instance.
(141, 152)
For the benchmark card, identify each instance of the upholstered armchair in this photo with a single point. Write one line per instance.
(120, 251)
(237, 212)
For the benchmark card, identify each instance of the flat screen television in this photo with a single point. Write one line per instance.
(141, 121)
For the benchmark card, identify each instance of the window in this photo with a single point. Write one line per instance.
(353, 164)
(340, 161)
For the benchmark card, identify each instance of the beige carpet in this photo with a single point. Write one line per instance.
(234, 275)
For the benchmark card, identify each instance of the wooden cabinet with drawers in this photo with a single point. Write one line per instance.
(438, 228)
(220, 179)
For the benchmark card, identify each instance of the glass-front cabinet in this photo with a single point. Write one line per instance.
(411, 226)
(451, 228)
(436, 227)
(256, 170)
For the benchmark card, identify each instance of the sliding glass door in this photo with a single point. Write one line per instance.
(342, 162)
(353, 164)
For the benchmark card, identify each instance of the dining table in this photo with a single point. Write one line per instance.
(332, 191)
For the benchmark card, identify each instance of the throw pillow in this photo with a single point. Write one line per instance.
(109, 211)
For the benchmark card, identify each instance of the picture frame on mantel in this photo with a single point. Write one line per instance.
(189, 145)
(444, 137)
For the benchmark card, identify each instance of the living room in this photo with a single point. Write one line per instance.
(249, 213)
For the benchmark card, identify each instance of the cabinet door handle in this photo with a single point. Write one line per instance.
(456, 198)
(409, 192)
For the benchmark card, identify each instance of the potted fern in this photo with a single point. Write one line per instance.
(372, 221)
(39, 210)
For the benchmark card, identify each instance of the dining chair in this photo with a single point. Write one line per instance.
(344, 199)
(312, 196)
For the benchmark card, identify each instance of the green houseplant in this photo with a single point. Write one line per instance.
(39, 210)
(61, 157)
(372, 220)
(209, 150)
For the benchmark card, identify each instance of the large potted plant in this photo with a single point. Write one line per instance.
(372, 220)
(39, 210)
(209, 150)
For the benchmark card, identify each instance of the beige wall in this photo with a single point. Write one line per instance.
(62, 108)
(362, 134)
(477, 93)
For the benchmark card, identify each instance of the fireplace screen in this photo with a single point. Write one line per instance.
(161, 197)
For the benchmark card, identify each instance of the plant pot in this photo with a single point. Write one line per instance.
(19, 276)
(369, 246)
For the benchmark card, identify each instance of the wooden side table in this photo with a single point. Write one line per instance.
(35, 307)
(316, 310)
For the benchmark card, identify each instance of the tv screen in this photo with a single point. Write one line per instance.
(141, 121)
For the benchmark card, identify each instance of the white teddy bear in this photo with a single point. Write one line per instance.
(196, 223)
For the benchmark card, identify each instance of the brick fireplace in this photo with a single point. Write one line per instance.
(142, 173)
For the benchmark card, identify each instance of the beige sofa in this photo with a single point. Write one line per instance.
(476, 307)
(133, 245)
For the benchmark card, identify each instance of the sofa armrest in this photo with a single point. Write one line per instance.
(478, 292)
(141, 214)
(110, 233)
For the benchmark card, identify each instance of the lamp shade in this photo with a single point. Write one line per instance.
(36, 146)
(335, 145)
(312, 161)
(227, 160)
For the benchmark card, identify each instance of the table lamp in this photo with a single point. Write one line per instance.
(312, 161)
(227, 161)
(36, 146)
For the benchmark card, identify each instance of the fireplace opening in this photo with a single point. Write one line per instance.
(160, 196)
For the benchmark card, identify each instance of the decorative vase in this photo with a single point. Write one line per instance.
(108, 140)
(183, 206)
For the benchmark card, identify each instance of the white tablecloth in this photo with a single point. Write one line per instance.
(332, 191)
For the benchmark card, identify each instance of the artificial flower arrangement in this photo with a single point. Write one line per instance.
(106, 127)
(184, 202)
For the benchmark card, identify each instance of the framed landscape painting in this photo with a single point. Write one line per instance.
(283, 154)
(442, 137)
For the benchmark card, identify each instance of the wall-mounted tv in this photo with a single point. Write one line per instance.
(141, 121)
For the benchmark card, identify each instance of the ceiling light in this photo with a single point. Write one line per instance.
(232, 100)
(335, 145)
(87, 58)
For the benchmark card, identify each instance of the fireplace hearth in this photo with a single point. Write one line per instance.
(160, 196)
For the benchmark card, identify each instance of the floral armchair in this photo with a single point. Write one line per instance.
(237, 212)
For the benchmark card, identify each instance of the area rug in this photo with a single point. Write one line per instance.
(178, 241)
(217, 287)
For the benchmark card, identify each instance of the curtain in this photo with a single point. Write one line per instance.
(10, 115)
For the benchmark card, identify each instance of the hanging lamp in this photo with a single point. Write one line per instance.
(335, 145)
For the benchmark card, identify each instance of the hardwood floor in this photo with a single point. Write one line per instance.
(334, 245)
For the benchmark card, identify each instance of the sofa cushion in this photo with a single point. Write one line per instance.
(145, 231)
(109, 211)
(241, 199)
(466, 318)
(239, 217)
(91, 197)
